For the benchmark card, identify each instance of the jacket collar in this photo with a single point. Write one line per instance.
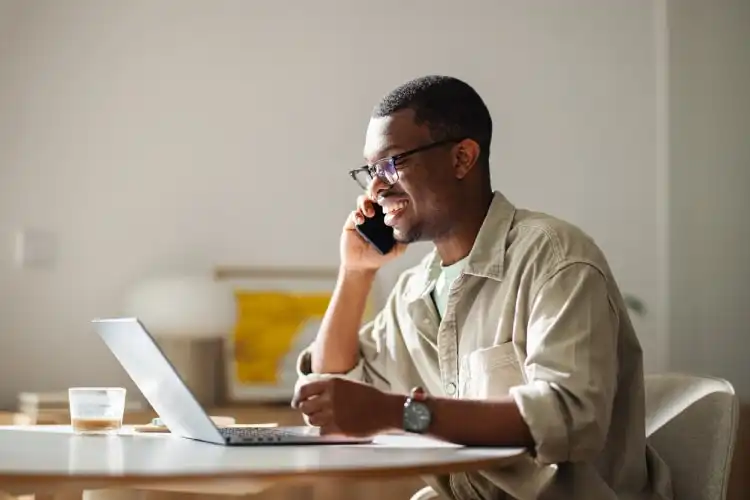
(486, 258)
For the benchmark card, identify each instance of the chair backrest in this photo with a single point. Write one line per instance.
(692, 422)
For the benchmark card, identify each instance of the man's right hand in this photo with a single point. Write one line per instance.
(356, 253)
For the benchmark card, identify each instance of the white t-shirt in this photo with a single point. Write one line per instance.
(445, 279)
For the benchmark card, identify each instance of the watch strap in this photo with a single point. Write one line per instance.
(418, 394)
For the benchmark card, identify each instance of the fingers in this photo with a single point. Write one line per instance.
(322, 418)
(307, 391)
(351, 221)
(314, 405)
(358, 217)
(318, 410)
(364, 207)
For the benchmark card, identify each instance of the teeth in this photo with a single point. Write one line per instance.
(395, 207)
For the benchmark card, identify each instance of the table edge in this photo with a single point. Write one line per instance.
(359, 473)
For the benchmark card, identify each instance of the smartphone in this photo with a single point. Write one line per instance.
(375, 231)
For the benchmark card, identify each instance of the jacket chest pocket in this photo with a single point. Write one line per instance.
(490, 372)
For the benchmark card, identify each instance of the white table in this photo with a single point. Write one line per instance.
(50, 459)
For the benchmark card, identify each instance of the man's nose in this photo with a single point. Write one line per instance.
(376, 186)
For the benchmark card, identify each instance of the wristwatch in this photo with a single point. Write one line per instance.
(417, 415)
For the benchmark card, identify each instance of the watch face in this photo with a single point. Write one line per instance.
(417, 417)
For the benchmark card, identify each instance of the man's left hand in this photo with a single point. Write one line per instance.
(342, 406)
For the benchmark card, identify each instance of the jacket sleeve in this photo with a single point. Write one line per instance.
(571, 365)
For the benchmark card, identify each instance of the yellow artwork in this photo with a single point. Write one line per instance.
(279, 311)
(267, 325)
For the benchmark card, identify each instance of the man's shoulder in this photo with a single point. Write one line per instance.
(535, 240)
(555, 241)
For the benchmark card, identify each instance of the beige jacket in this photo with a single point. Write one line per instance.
(535, 314)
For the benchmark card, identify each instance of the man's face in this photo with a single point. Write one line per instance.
(418, 205)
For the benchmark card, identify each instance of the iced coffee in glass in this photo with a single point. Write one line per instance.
(96, 410)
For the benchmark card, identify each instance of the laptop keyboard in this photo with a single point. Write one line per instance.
(264, 434)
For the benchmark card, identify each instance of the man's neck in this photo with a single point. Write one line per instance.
(458, 243)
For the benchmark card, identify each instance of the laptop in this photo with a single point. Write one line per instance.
(170, 397)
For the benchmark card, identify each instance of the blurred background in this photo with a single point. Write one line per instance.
(142, 138)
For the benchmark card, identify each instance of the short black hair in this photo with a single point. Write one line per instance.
(449, 107)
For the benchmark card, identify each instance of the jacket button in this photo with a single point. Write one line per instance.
(450, 388)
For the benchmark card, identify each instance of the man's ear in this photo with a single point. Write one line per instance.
(466, 156)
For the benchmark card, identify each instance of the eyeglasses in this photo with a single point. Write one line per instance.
(387, 169)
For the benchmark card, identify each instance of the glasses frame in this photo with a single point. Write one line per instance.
(377, 170)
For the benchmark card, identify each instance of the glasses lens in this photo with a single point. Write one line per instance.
(363, 178)
(387, 171)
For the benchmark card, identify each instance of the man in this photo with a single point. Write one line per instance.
(512, 332)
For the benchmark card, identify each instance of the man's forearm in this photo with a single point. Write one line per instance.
(468, 421)
(336, 348)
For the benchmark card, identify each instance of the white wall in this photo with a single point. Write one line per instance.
(709, 198)
(186, 133)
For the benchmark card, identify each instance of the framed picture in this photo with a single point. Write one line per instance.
(279, 311)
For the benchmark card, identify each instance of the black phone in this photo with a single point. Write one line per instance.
(375, 231)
